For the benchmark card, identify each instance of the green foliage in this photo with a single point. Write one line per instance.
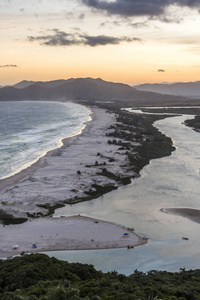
(139, 128)
(40, 277)
(8, 219)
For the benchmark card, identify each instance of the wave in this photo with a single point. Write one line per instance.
(30, 129)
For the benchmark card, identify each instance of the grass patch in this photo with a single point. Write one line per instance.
(8, 219)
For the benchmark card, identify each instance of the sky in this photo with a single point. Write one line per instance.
(129, 41)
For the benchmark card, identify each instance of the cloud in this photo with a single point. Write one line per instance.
(193, 50)
(128, 8)
(61, 38)
(106, 40)
(8, 66)
(161, 70)
(81, 16)
(139, 25)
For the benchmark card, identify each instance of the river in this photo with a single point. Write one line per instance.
(171, 181)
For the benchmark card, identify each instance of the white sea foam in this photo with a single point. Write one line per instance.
(28, 130)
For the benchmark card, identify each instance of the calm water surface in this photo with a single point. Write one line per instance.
(167, 182)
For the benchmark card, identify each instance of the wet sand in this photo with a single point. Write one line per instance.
(190, 213)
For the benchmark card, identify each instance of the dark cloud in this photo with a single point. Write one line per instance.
(8, 66)
(106, 40)
(167, 18)
(61, 38)
(110, 24)
(161, 70)
(139, 25)
(128, 8)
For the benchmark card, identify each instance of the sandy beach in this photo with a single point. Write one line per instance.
(65, 233)
(190, 213)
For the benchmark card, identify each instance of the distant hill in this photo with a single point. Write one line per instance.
(185, 89)
(48, 84)
(87, 90)
(23, 84)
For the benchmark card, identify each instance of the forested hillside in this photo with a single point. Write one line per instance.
(37, 276)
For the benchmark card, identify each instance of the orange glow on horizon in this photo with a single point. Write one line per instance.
(65, 40)
(130, 76)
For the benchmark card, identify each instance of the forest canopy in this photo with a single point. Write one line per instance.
(37, 276)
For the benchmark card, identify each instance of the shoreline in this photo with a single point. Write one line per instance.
(16, 181)
(66, 233)
(20, 175)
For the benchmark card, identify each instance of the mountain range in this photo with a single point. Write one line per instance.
(88, 90)
(185, 89)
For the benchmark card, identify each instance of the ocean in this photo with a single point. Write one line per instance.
(29, 129)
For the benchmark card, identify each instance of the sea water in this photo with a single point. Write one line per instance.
(29, 129)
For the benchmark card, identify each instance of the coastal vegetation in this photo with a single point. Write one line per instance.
(141, 139)
(194, 123)
(37, 276)
(7, 219)
(174, 110)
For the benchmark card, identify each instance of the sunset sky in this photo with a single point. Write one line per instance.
(130, 41)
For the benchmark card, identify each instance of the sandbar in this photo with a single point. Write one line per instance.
(65, 233)
(190, 213)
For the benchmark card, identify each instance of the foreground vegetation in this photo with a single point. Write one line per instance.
(37, 276)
